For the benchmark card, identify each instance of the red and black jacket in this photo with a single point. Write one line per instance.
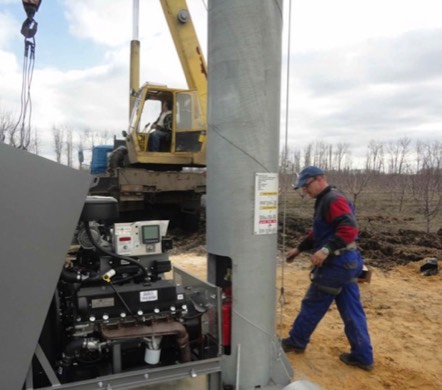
(334, 223)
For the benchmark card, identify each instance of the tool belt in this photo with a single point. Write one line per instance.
(327, 289)
(350, 247)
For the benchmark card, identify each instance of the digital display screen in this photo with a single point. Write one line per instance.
(150, 234)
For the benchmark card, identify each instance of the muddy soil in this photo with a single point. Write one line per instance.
(383, 249)
(403, 307)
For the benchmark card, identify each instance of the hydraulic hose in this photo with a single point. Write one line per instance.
(71, 276)
(111, 254)
(69, 351)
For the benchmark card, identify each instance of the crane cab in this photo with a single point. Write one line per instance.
(185, 133)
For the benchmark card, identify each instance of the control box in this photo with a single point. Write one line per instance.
(139, 238)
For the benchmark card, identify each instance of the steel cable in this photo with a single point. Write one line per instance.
(284, 168)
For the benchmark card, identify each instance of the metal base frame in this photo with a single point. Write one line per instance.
(130, 380)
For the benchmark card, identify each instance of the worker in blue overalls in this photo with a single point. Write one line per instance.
(337, 264)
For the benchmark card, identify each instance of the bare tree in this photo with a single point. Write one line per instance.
(308, 155)
(284, 159)
(426, 184)
(58, 134)
(289, 165)
(104, 137)
(80, 151)
(341, 150)
(19, 135)
(95, 137)
(397, 155)
(6, 126)
(355, 182)
(34, 146)
(330, 157)
(320, 154)
(375, 156)
(296, 153)
(69, 147)
(87, 137)
(398, 186)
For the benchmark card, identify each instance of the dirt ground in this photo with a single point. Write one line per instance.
(403, 307)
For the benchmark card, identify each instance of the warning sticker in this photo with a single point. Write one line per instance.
(266, 203)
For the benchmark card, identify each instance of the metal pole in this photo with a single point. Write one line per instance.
(134, 71)
(135, 19)
(244, 56)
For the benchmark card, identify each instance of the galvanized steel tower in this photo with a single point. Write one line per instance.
(244, 62)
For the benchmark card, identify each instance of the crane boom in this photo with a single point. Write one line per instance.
(187, 46)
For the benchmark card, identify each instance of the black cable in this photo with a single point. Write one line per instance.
(25, 99)
(25, 58)
(26, 134)
(122, 300)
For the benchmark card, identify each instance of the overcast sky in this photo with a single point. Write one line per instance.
(359, 70)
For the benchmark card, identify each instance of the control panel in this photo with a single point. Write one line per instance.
(139, 238)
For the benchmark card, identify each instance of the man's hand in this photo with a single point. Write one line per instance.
(291, 254)
(318, 258)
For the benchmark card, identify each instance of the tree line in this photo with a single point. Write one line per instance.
(69, 144)
(394, 157)
(66, 143)
(17, 133)
(407, 171)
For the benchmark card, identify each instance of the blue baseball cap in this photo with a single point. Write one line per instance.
(306, 174)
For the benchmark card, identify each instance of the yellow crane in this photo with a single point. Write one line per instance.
(145, 179)
(185, 145)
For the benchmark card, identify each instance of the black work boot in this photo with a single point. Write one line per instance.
(347, 358)
(288, 346)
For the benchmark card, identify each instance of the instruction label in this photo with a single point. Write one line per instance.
(266, 203)
(147, 296)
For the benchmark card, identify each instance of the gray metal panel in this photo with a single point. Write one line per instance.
(40, 203)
